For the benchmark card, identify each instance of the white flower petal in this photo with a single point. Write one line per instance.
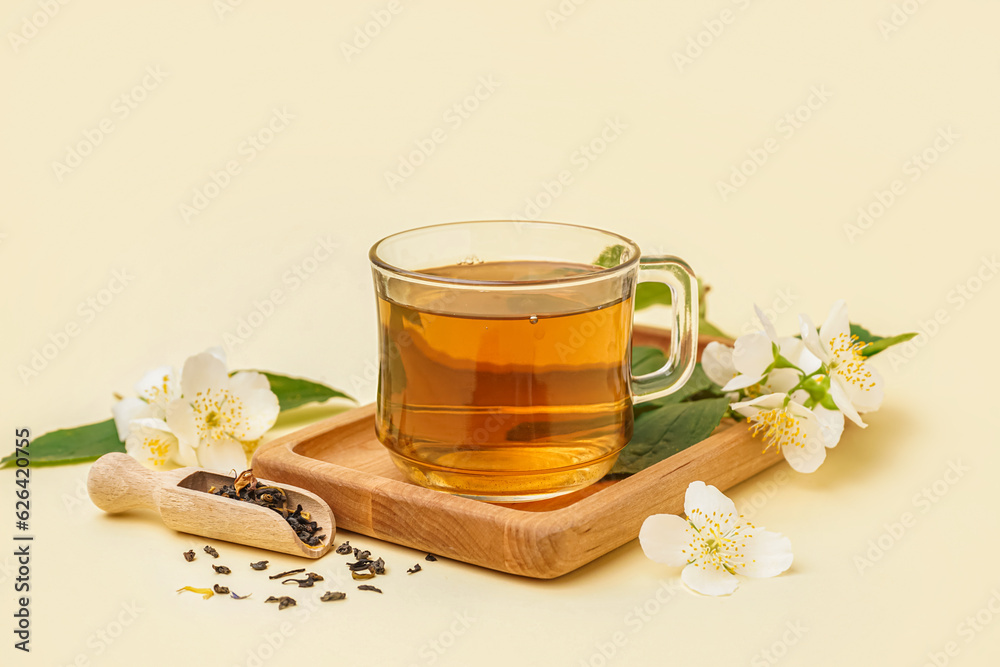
(843, 401)
(717, 362)
(159, 386)
(836, 324)
(201, 373)
(806, 458)
(151, 443)
(811, 339)
(181, 418)
(831, 424)
(754, 405)
(766, 554)
(791, 348)
(807, 361)
(222, 456)
(866, 397)
(218, 353)
(709, 580)
(810, 453)
(129, 409)
(260, 404)
(781, 380)
(753, 353)
(704, 504)
(742, 382)
(766, 323)
(186, 455)
(663, 536)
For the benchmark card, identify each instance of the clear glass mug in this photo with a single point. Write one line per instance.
(504, 353)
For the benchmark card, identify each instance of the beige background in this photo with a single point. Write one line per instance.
(779, 240)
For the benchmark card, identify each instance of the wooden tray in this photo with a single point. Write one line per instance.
(341, 460)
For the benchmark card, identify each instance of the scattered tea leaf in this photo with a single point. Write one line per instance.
(413, 570)
(259, 565)
(366, 587)
(378, 567)
(362, 555)
(284, 602)
(221, 569)
(430, 557)
(314, 576)
(189, 555)
(205, 593)
(330, 596)
(287, 574)
(221, 590)
(211, 552)
(303, 583)
(345, 548)
(359, 565)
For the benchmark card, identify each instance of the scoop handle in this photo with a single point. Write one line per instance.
(117, 482)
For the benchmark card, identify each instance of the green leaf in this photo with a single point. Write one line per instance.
(668, 429)
(293, 392)
(706, 328)
(658, 294)
(72, 445)
(610, 256)
(652, 294)
(86, 443)
(877, 344)
(646, 359)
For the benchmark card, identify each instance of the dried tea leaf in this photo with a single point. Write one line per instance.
(366, 587)
(314, 576)
(284, 602)
(221, 590)
(247, 488)
(360, 565)
(361, 576)
(221, 569)
(413, 570)
(430, 557)
(287, 574)
(211, 552)
(189, 555)
(362, 555)
(378, 567)
(259, 565)
(345, 548)
(330, 596)
(205, 593)
(303, 583)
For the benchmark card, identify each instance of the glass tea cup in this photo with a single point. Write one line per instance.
(504, 353)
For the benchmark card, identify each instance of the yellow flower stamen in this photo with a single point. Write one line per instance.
(159, 451)
(218, 415)
(848, 362)
(778, 428)
(711, 547)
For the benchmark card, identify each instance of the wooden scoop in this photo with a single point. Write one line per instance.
(117, 482)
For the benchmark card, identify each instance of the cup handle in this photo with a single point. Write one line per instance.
(678, 276)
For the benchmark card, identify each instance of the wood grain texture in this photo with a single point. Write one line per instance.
(341, 460)
(118, 483)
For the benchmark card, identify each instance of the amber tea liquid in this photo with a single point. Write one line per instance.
(505, 396)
